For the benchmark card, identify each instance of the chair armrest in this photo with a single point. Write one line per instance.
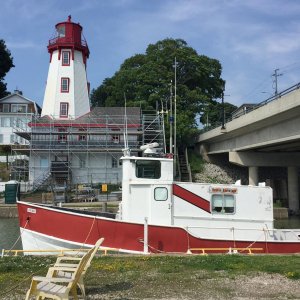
(65, 269)
(65, 265)
(51, 279)
(59, 259)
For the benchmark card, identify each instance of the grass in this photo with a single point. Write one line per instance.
(196, 162)
(138, 277)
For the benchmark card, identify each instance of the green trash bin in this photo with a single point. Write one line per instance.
(12, 192)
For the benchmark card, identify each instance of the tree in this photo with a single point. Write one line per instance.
(6, 63)
(145, 80)
(6, 149)
(212, 114)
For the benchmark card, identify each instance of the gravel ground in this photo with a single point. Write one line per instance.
(260, 286)
(221, 174)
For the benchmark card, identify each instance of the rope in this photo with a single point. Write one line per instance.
(83, 244)
(44, 267)
(157, 250)
(250, 245)
(24, 280)
(27, 221)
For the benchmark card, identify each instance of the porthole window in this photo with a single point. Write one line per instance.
(160, 194)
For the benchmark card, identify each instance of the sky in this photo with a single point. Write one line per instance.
(250, 38)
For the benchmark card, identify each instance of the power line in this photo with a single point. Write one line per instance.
(259, 86)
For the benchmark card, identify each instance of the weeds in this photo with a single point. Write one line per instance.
(150, 276)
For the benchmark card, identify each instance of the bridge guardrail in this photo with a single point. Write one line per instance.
(265, 102)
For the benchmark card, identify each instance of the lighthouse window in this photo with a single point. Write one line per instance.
(64, 109)
(65, 85)
(65, 58)
(223, 203)
(61, 31)
(148, 169)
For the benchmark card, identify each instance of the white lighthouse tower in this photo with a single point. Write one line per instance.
(66, 94)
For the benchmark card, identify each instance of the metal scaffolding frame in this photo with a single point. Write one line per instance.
(82, 139)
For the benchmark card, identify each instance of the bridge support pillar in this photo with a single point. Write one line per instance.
(253, 175)
(293, 189)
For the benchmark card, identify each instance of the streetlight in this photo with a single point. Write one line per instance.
(223, 106)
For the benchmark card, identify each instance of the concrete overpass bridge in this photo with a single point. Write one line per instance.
(266, 136)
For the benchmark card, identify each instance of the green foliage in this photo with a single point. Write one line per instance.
(6, 63)
(293, 275)
(212, 114)
(196, 162)
(145, 79)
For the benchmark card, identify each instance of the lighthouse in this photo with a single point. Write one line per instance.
(67, 91)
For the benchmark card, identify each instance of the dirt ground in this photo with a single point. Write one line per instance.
(261, 286)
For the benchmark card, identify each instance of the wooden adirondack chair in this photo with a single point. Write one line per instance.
(72, 262)
(59, 288)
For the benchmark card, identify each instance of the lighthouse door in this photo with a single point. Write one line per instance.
(161, 205)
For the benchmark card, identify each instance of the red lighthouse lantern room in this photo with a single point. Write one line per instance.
(69, 36)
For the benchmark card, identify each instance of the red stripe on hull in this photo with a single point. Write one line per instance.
(191, 197)
(129, 236)
(117, 234)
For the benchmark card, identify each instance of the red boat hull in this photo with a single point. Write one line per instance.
(78, 228)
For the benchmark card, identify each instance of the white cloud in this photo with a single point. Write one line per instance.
(29, 9)
(186, 10)
(22, 45)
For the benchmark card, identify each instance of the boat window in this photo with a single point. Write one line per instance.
(222, 203)
(160, 194)
(148, 169)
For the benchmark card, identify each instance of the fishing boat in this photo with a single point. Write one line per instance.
(160, 215)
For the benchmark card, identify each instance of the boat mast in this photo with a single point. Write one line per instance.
(171, 118)
(175, 94)
(163, 125)
(126, 150)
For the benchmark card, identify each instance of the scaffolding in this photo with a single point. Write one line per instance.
(85, 150)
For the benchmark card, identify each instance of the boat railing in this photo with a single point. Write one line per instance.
(275, 234)
(229, 250)
(58, 252)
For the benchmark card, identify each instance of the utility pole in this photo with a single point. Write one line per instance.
(223, 106)
(223, 110)
(276, 75)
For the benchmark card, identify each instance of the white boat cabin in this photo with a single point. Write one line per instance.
(208, 210)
